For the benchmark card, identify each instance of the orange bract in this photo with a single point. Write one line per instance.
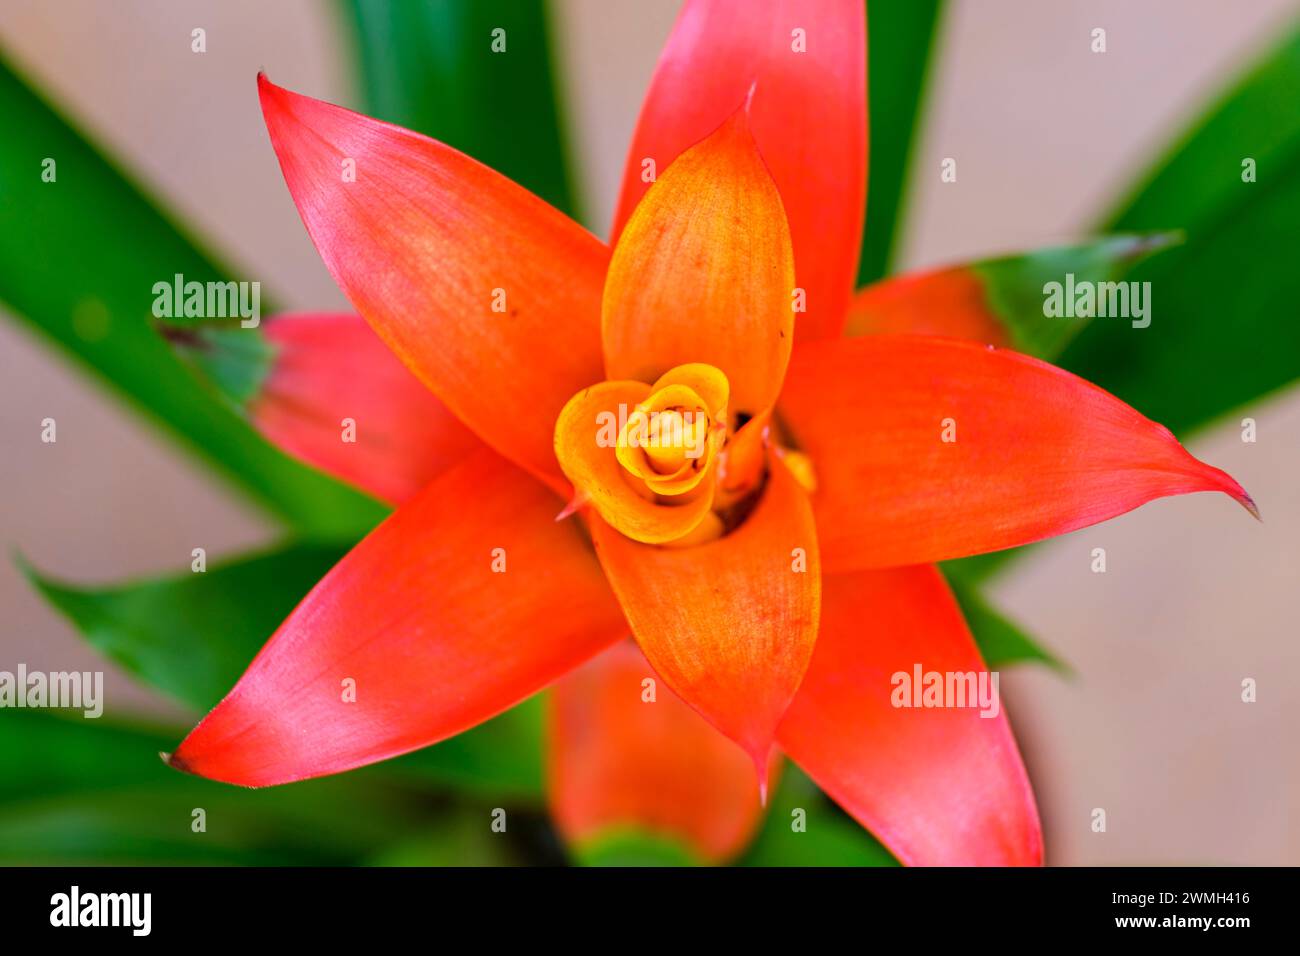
(704, 272)
(626, 752)
(729, 624)
(332, 367)
(460, 271)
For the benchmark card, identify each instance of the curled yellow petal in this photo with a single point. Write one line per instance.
(587, 437)
(645, 456)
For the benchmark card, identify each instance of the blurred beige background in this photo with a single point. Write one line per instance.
(1197, 596)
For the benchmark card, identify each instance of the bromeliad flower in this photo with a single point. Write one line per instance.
(759, 499)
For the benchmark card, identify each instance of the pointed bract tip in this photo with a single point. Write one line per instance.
(576, 502)
(1216, 479)
(269, 93)
(1233, 489)
(176, 763)
(762, 770)
(265, 89)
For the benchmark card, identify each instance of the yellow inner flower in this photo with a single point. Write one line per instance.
(671, 440)
(676, 438)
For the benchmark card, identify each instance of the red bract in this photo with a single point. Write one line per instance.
(773, 557)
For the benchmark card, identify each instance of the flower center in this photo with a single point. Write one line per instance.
(676, 436)
(653, 471)
(670, 439)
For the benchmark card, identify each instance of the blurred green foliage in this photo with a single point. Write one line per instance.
(1014, 284)
(803, 828)
(900, 38)
(1002, 642)
(441, 67)
(1225, 332)
(78, 261)
(192, 635)
(77, 790)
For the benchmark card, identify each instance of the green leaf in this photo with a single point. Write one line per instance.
(1223, 329)
(1014, 285)
(45, 753)
(829, 836)
(499, 758)
(1001, 641)
(461, 836)
(79, 790)
(629, 846)
(431, 66)
(79, 257)
(192, 635)
(1198, 177)
(234, 362)
(899, 41)
(155, 826)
